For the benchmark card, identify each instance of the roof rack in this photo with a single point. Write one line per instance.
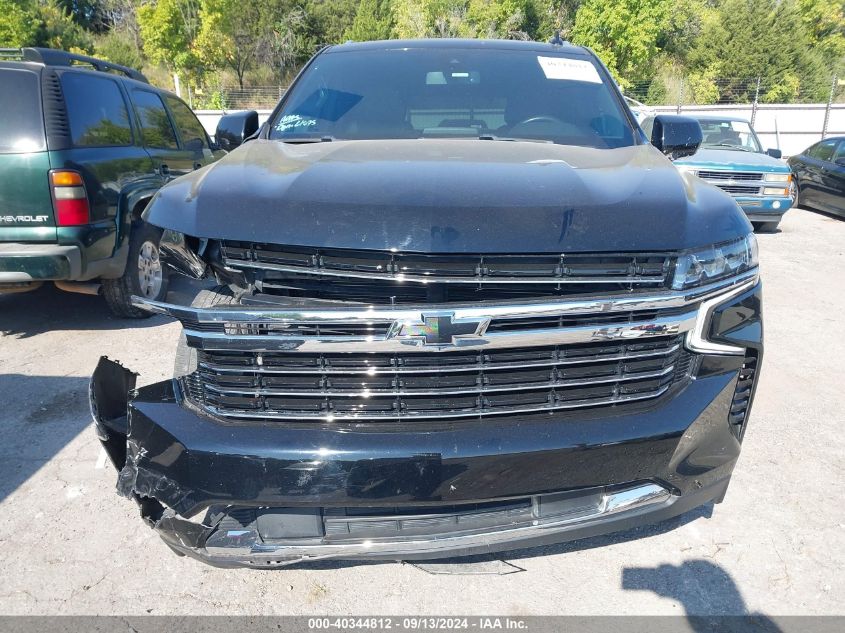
(53, 57)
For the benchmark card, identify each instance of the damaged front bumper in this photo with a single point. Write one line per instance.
(268, 495)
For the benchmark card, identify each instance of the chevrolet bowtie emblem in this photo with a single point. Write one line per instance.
(440, 329)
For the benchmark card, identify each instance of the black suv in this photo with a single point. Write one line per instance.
(84, 146)
(464, 305)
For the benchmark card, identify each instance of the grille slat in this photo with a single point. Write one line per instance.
(739, 189)
(384, 276)
(385, 387)
(730, 175)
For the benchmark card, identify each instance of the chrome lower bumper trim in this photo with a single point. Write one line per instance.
(628, 501)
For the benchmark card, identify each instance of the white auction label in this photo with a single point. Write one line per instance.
(569, 69)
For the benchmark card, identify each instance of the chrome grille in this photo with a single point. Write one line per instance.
(739, 189)
(385, 387)
(736, 183)
(730, 175)
(311, 361)
(397, 277)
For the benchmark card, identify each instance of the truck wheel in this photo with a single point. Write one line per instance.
(145, 275)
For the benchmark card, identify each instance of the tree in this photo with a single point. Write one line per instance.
(555, 15)
(824, 22)
(229, 35)
(748, 39)
(291, 39)
(510, 19)
(623, 33)
(118, 47)
(169, 29)
(516, 19)
(373, 21)
(18, 23)
(327, 21)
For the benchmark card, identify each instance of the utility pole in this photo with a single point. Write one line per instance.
(680, 95)
(756, 101)
(830, 99)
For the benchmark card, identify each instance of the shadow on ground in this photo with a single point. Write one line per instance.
(704, 589)
(47, 309)
(40, 416)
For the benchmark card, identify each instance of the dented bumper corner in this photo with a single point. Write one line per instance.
(264, 495)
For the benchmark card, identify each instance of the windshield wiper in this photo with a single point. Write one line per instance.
(729, 146)
(309, 139)
(493, 137)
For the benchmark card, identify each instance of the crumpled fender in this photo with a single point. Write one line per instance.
(108, 395)
(111, 387)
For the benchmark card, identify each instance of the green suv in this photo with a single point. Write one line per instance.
(84, 146)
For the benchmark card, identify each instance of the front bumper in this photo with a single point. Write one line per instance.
(759, 209)
(412, 491)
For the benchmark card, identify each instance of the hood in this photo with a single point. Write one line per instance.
(448, 196)
(734, 160)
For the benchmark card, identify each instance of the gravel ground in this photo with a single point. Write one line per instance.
(776, 546)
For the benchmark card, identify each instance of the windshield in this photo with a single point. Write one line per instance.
(453, 93)
(729, 134)
(21, 126)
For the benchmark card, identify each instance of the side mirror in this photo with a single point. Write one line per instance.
(233, 129)
(840, 162)
(774, 153)
(676, 136)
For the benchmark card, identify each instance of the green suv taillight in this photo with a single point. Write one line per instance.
(69, 198)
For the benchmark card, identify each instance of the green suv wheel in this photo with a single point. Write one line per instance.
(145, 275)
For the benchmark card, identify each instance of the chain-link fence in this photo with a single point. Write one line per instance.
(660, 91)
(253, 98)
(787, 114)
(703, 90)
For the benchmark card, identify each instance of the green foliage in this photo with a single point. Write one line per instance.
(660, 50)
(555, 15)
(32, 23)
(623, 33)
(824, 22)
(746, 39)
(329, 20)
(373, 21)
(119, 47)
(168, 29)
(18, 25)
(514, 19)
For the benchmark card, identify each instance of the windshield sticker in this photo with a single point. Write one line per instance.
(569, 69)
(291, 121)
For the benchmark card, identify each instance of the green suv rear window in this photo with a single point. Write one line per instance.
(21, 123)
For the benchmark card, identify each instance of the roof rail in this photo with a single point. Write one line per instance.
(53, 57)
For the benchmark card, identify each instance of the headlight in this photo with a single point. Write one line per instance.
(687, 169)
(777, 177)
(701, 266)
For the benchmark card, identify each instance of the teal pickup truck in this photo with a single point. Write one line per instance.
(732, 158)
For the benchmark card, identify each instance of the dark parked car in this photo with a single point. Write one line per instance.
(464, 306)
(820, 175)
(84, 146)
